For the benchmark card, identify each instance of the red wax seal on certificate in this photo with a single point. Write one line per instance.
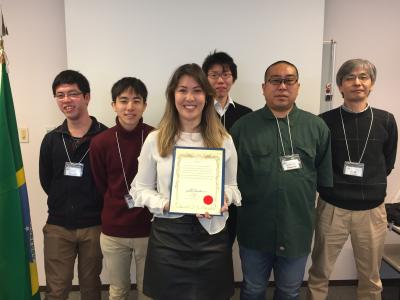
(208, 199)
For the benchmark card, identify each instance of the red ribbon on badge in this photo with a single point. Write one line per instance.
(208, 199)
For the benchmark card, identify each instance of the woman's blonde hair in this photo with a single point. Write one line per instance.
(212, 131)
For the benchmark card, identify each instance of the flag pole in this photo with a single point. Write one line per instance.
(3, 32)
(17, 253)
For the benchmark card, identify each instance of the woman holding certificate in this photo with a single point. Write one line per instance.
(187, 179)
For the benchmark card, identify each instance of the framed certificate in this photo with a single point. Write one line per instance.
(197, 184)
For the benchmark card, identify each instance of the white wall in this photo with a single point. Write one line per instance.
(36, 51)
(368, 29)
(149, 39)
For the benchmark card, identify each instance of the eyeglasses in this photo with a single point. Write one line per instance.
(279, 81)
(352, 77)
(70, 95)
(224, 75)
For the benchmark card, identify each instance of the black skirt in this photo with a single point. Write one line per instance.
(185, 262)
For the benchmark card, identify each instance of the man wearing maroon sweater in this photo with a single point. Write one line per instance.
(113, 156)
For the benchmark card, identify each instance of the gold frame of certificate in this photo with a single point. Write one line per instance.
(197, 183)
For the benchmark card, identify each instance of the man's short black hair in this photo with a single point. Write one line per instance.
(285, 62)
(71, 77)
(129, 83)
(220, 58)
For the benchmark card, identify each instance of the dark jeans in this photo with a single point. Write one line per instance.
(257, 266)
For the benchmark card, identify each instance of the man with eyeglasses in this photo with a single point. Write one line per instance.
(284, 154)
(364, 145)
(221, 72)
(114, 159)
(74, 204)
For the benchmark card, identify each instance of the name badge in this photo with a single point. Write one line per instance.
(129, 201)
(353, 169)
(73, 169)
(291, 162)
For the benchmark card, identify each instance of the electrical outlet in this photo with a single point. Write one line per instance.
(23, 135)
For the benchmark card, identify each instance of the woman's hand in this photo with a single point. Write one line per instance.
(224, 208)
(205, 215)
(166, 206)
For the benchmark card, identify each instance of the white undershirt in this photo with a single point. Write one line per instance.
(222, 110)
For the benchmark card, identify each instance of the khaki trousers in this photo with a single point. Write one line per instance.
(117, 254)
(367, 230)
(61, 247)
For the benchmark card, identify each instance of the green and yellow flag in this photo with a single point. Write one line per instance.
(18, 272)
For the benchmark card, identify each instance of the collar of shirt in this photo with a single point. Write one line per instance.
(222, 110)
(138, 130)
(267, 113)
(354, 112)
(94, 128)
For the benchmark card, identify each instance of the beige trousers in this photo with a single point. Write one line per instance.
(367, 230)
(117, 254)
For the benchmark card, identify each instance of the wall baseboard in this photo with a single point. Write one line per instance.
(385, 282)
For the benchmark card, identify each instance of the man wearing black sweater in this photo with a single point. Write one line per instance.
(72, 229)
(364, 144)
(221, 72)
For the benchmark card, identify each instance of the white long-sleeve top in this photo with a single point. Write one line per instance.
(152, 184)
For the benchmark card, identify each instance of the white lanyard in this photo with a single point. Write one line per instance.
(280, 135)
(223, 111)
(120, 157)
(223, 117)
(366, 141)
(66, 150)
